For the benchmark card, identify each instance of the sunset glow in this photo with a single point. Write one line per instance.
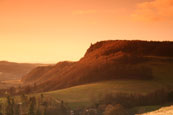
(49, 31)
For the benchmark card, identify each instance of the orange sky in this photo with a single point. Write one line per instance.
(49, 31)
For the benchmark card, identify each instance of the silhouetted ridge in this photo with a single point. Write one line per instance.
(143, 48)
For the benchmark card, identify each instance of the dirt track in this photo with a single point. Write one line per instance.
(162, 111)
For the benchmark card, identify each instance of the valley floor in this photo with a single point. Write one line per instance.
(9, 83)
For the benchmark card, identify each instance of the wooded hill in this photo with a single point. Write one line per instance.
(105, 60)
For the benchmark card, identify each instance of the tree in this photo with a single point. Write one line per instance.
(31, 109)
(24, 99)
(38, 112)
(41, 96)
(10, 105)
(27, 89)
(45, 104)
(17, 110)
(0, 109)
(63, 108)
(12, 90)
(45, 111)
(32, 106)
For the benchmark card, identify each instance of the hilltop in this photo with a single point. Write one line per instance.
(105, 60)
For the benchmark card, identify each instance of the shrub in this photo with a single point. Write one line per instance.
(170, 96)
(131, 100)
(115, 110)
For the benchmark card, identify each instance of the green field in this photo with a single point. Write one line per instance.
(88, 94)
(85, 95)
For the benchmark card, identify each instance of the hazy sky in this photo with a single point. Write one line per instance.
(49, 31)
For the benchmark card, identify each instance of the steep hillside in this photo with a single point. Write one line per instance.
(36, 73)
(86, 94)
(43, 73)
(106, 60)
(14, 71)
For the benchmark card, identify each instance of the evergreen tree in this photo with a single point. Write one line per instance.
(31, 109)
(63, 108)
(0, 109)
(38, 112)
(41, 96)
(17, 110)
(9, 108)
(32, 105)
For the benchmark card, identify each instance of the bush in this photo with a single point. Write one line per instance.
(131, 100)
(115, 110)
(170, 96)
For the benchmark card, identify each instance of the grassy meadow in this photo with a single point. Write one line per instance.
(84, 95)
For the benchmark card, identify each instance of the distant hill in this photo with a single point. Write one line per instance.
(14, 71)
(105, 60)
(36, 73)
